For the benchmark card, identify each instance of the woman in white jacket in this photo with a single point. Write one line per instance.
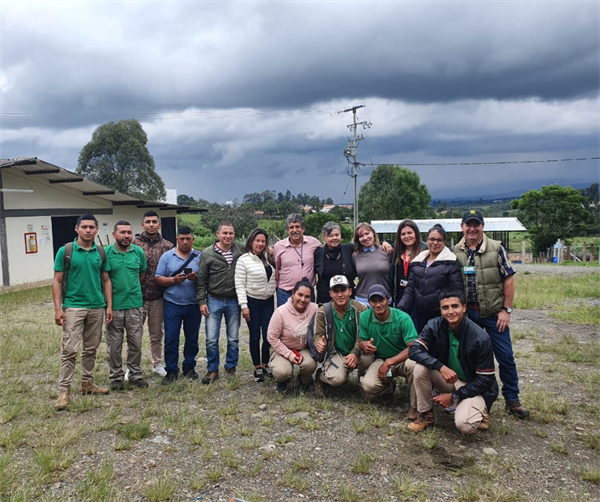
(255, 286)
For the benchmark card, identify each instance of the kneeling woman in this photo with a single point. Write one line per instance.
(287, 336)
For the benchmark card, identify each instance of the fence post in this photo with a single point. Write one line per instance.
(522, 251)
(584, 251)
(592, 251)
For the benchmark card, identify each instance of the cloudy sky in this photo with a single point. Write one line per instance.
(239, 97)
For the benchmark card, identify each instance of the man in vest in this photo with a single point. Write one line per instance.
(79, 306)
(336, 337)
(217, 299)
(154, 247)
(454, 358)
(490, 290)
(127, 269)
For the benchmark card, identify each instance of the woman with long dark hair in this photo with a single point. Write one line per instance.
(407, 246)
(431, 272)
(255, 286)
(288, 338)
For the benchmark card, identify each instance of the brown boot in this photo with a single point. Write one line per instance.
(420, 424)
(90, 388)
(485, 423)
(63, 400)
(412, 414)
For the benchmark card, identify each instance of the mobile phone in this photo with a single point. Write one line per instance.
(299, 356)
(187, 270)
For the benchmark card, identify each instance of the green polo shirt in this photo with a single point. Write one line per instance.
(125, 270)
(84, 282)
(453, 360)
(390, 337)
(345, 331)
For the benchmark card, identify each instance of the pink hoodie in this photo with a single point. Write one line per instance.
(287, 329)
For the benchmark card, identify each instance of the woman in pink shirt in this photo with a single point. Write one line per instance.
(287, 336)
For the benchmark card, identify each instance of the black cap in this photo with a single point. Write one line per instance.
(472, 214)
(377, 290)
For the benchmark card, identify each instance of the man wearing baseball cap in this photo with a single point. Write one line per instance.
(386, 333)
(336, 337)
(489, 284)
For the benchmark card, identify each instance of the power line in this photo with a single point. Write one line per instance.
(498, 162)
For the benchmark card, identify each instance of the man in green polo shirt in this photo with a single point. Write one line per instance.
(81, 310)
(386, 333)
(336, 337)
(127, 269)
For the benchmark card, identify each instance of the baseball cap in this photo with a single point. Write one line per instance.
(339, 280)
(377, 290)
(472, 214)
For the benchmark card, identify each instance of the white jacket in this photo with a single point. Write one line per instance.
(251, 280)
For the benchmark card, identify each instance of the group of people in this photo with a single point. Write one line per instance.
(393, 323)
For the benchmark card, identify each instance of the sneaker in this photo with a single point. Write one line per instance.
(485, 423)
(420, 424)
(282, 387)
(259, 375)
(169, 378)
(63, 400)
(231, 372)
(412, 414)
(140, 382)
(116, 385)
(269, 372)
(191, 374)
(126, 378)
(160, 370)
(517, 409)
(210, 377)
(90, 388)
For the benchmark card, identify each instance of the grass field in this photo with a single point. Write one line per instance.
(193, 442)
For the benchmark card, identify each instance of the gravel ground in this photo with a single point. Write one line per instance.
(239, 438)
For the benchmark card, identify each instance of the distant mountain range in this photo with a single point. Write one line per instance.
(487, 193)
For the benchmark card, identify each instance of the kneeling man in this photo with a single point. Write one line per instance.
(454, 355)
(386, 333)
(336, 336)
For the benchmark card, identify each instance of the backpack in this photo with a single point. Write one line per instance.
(321, 357)
(67, 264)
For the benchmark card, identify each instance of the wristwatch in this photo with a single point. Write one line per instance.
(508, 309)
(455, 398)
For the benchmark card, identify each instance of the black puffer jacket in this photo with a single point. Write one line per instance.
(426, 283)
(348, 270)
(475, 354)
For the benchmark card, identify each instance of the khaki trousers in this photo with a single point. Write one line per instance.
(374, 387)
(335, 372)
(154, 312)
(130, 321)
(469, 412)
(81, 326)
(283, 368)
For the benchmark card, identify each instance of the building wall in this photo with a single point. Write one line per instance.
(34, 267)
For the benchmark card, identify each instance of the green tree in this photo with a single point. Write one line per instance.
(393, 193)
(186, 200)
(554, 212)
(242, 218)
(314, 225)
(341, 212)
(118, 158)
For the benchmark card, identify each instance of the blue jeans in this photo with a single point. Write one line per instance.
(175, 315)
(260, 315)
(503, 351)
(231, 311)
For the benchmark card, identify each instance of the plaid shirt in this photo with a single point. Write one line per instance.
(504, 267)
(153, 249)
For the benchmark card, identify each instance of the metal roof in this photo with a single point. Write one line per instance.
(32, 166)
(451, 225)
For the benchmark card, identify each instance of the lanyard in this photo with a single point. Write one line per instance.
(406, 261)
(299, 253)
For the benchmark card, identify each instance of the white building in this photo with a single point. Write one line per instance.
(39, 206)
